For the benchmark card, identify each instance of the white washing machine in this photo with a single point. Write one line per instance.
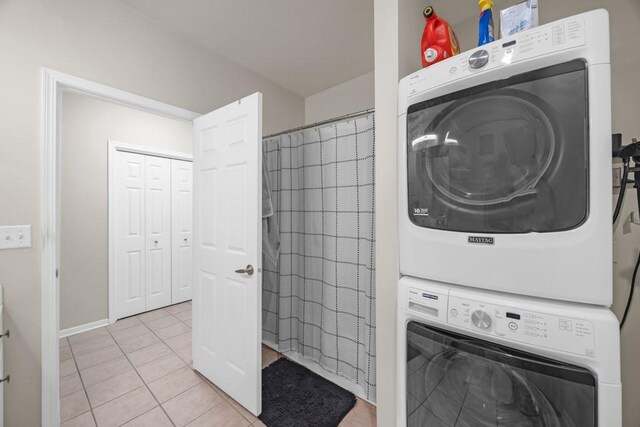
(505, 165)
(471, 358)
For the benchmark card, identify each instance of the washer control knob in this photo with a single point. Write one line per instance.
(481, 319)
(478, 59)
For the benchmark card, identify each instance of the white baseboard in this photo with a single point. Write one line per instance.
(83, 328)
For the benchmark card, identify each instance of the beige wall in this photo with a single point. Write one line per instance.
(625, 57)
(87, 124)
(106, 42)
(386, 95)
(351, 96)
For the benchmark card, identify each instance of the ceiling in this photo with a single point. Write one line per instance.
(303, 45)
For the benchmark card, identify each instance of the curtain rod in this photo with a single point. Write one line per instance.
(324, 122)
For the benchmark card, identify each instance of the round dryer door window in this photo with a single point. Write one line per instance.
(509, 156)
(489, 150)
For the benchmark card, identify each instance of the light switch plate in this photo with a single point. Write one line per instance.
(15, 236)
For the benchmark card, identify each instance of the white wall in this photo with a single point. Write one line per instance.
(386, 196)
(407, 25)
(87, 124)
(103, 41)
(349, 97)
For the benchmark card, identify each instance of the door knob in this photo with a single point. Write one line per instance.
(247, 270)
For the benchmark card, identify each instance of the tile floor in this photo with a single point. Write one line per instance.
(137, 372)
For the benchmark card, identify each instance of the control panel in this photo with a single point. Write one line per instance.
(518, 324)
(557, 36)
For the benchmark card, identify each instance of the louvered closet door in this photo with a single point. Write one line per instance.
(181, 219)
(130, 234)
(158, 232)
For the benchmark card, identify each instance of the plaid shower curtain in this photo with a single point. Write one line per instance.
(319, 298)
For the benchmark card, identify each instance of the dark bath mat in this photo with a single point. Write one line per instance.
(294, 396)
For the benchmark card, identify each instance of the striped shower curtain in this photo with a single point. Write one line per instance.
(319, 298)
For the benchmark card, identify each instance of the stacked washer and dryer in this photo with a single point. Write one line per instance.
(506, 235)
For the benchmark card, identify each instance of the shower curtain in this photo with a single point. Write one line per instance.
(319, 298)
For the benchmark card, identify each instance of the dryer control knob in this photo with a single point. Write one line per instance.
(479, 59)
(481, 319)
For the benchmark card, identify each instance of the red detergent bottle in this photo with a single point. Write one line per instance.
(438, 39)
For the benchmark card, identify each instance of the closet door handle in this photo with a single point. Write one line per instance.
(247, 270)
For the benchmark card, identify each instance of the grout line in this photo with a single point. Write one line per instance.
(144, 384)
(81, 382)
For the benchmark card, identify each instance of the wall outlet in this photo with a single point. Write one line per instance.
(15, 237)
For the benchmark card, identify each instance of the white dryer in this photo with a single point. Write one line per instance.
(505, 165)
(470, 358)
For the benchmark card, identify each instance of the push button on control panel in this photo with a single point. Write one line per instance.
(478, 59)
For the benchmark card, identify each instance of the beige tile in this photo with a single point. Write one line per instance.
(362, 415)
(184, 315)
(269, 356)
(160, 367)
(124, 324)
(148, 354)
(162, 322)
(179, 341)
(172, 331)
(154, 418)
(178, 308)
(73, 405)
(152, 315)
(185, 354)
(67, 367)
(221, 415)
(133, 332)
(241, 409)
(224, 395)
(84, 420)
(113, 387)
(65, 353)
(259, 423)
(98, 356)
(87, 346)
(173, 384)
(70, 384)
(191, 404)
(137, 343)
(125, 408)
(64, 342)
(84, 336)
(106, 370)
(187, 322)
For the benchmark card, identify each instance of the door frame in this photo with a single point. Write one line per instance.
(113, 148)
(53, 84)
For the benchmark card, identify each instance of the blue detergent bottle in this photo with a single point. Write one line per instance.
(486, 33)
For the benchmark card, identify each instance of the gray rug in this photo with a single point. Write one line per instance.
(292, 395)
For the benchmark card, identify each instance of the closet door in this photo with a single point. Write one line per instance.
(181, 219)
(158, 232)
(130, 234)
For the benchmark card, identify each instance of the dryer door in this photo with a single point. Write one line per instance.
(510, 156)
(458, 381)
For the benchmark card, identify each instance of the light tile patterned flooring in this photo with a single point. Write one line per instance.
(137, 372)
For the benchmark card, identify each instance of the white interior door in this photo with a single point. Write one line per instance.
(181, 229)
(158, 232)
(227, 325)
(130, 251)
